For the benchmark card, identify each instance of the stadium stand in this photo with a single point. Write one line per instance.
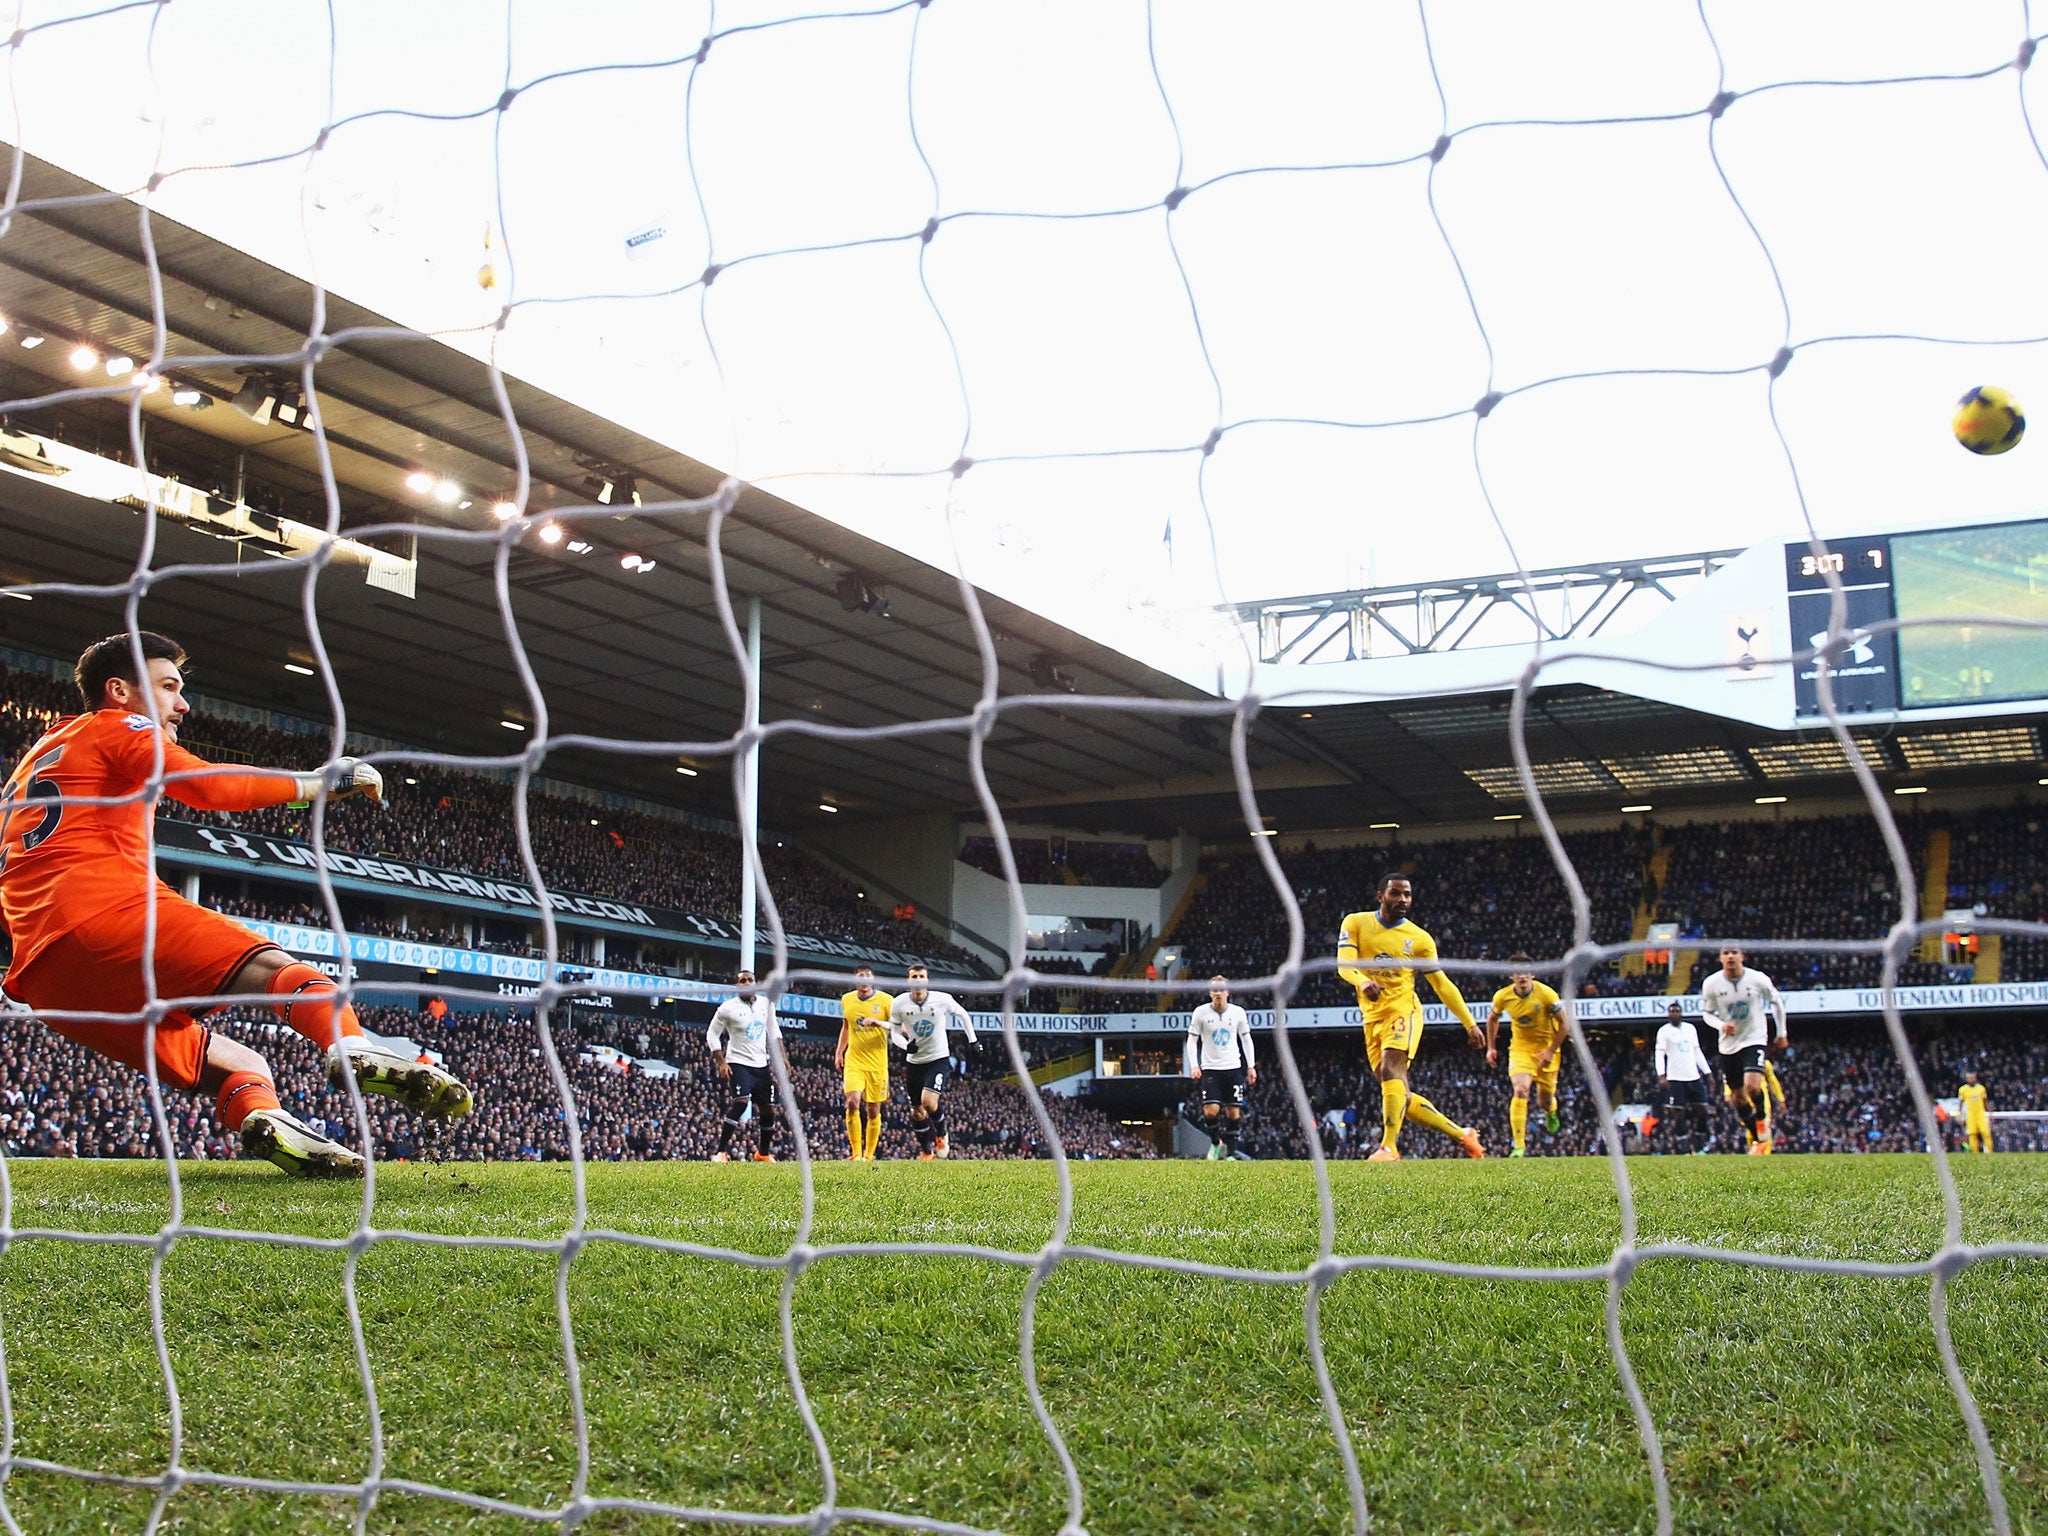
(1844, 1093)
(1076, 861)
(60, 1100)
(464, 821)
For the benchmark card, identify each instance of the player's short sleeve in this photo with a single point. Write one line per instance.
(1425, 946)
(1347, 936)
(1500, 1000)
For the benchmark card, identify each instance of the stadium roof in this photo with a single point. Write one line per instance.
(642, 655)
(617, 653)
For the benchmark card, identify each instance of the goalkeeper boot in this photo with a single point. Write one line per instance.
(1552, 1121)
(1518, 1152)
(1471, 1143)
(296, 1147)
(419, 1085)
(1384, 1154)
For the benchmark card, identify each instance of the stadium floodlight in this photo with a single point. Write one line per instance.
(84, 358)
(3, 325)
(579, 546)
(504, 511)
(30, 341)
(255, 400)
(118, 367)
(1509, 816)
(419, 482)
(1383, 826)
(1770, 799)
(1627, 808)
(447, 492)
(293, 666)
(828, 807)
(686, 770)
(512, 725)
(551, 533)
(197, 399)
(1910, 789)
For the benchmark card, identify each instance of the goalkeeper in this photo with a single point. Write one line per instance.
(76, 896)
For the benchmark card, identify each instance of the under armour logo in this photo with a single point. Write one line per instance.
(1861, 652)
(229, 842)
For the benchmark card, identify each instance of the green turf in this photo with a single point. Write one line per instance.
(1786, 1403)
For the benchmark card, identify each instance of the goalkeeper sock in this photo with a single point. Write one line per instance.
(1422, 1112)
(853, 1133)
(1518, 1122)
(242, 1095)
(1393, 1110)
(1774, 1091)
(874, 1137)
(311, 1008)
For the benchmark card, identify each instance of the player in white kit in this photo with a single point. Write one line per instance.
(918, 1021)
(740, 1034)
(1683, 1076)
(1745, 1007)
(1221, 1057)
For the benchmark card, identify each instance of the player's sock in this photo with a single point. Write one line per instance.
(1518, 1122)
(939, 1124)
(764, 1127)
(729, 1122)
(923, 1131)
(854, 1134)
(310, 1007)
(873, 1139)
(242, 1095)
(1393, 1110)
(1422, 1112)
(1774, 1091)
(1231, 1130)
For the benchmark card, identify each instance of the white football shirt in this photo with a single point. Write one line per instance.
(748, 1026)
(1679, 1057)
(1745, 1004)
(921, 1027)
(1223, 1038)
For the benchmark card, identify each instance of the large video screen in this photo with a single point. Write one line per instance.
(1968, 573)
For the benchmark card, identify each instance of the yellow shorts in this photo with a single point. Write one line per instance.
(1523, 1058)
(1977, 1125)
(1402, 1032)
(871, 1083)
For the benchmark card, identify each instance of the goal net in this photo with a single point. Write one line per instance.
(1126, 316)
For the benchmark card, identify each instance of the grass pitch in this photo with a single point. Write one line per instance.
(1787, 1403)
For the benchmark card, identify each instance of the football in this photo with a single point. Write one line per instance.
(1988, 420)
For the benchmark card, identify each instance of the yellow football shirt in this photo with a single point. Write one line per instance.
(1975, 1103)
(1534, 1018)
(1364, 937)
(868, 1045)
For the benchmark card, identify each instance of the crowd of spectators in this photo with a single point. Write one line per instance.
(1481, 900)
(1825, 877)
(1998, 867)
(1068, 861)
(58, 1099)
(1844, 1092)
(465, 821)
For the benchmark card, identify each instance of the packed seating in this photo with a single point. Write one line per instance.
(1068, 861)
(59, 1100)
(1998, 865)
(464, 821)
(1844, 1092)
(1482, 901)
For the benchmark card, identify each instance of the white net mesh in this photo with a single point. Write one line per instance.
(399, 114)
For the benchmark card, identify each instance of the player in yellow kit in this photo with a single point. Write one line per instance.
(1976, 1114)
(862, 1058)
(1535, 1048)
(1379, 953)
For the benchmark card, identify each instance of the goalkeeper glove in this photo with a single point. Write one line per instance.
(349, 776)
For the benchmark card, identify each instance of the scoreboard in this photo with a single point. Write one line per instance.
(1949, 588)
(1865, 678)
